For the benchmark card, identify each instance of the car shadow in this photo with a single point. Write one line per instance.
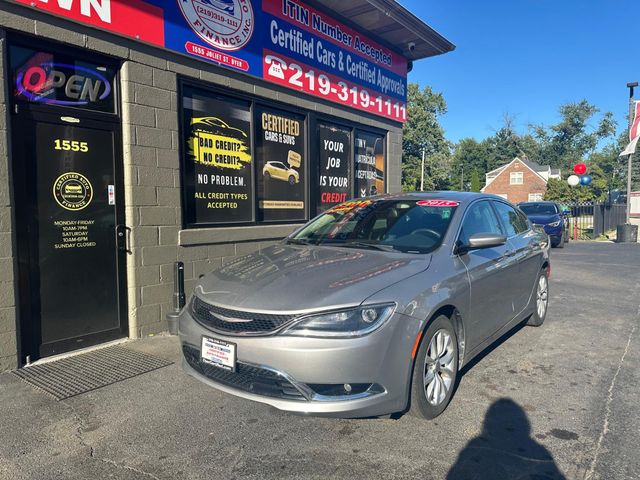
(484, 353)
(504, 449)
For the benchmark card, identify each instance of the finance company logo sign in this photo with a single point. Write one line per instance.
(225, 24)
(73, 191)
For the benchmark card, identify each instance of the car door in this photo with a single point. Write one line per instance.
(491, 272)
(526, 252)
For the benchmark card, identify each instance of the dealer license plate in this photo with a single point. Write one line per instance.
(219, 353)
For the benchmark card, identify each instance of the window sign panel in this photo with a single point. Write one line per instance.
(334, 177)
(281, 167)
(369, 164)
(218, 166)
(52, 79)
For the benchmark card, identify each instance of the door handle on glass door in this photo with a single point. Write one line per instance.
(123, 237)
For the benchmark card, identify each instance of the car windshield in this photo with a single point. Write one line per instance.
(538, 208)
(410, 226)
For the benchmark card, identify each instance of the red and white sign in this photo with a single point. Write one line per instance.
(437, 203)
(289, 73)
(132, 18)
(215, 56)
(635, 126)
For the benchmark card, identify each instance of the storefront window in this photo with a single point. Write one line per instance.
(218, 170)
(281, 165)
(334, 178)
(248, 161)
(369, 164)
(49, 78)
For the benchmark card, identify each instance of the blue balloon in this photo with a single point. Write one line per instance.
(585, 180)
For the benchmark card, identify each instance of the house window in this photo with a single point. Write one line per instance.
(516, 178)
(502, 195)
(536, 197)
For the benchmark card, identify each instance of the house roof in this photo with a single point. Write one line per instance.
(533, 166)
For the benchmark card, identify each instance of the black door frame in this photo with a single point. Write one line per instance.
(29, 338)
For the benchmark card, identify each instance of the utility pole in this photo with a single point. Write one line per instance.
(630, 86)
(422, 174)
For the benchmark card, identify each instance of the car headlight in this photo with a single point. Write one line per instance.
(555, 224)
(354, 322)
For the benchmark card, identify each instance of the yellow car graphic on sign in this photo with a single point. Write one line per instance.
(279, 171)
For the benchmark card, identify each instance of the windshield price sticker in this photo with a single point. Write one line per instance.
(437, 203)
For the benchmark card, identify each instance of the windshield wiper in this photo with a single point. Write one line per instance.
(375, 246)
(297, 241)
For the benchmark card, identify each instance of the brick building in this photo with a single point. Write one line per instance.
(521, 180)
(138, 133)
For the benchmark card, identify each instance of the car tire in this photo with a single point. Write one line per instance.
(267, 176)
(561, 242)
(292, 180)
(566, 236)
(541, 294)
(437, 359)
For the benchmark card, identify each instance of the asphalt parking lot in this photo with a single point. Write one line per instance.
(560, 401)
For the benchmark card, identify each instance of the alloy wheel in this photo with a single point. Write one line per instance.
(439, 367)
(542, 296)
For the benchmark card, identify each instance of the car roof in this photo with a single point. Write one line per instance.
(542, 202)
(461, 197)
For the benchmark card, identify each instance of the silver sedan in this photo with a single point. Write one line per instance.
(371, 308)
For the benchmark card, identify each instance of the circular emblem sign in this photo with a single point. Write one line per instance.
(72, 191)
(225, 24)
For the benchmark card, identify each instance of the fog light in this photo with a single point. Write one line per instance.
(347, 388)
(369, 315)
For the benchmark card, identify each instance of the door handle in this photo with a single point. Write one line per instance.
(123, 238)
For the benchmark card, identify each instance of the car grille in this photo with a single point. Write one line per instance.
(212, 317)
(247, 378)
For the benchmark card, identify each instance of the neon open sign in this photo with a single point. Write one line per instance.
(62, 84)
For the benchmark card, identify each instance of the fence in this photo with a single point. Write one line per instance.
(588, 221)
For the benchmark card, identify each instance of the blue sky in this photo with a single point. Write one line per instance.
(527, 57)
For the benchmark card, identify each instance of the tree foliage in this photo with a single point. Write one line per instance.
(575, 138)
(582, 134)
(423, 132)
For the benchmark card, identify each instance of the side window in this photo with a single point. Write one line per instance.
(511, 220)
(479, 219)
(523, 222)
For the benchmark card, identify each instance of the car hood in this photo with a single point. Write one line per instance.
(292, 278)
(544, 219)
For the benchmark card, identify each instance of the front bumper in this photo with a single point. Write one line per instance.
(304, 375)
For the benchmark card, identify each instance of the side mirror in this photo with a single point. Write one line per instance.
(566, 212)
(482, 240)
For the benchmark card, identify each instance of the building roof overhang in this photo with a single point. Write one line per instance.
(391, 23)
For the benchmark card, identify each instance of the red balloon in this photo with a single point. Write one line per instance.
(580, 168)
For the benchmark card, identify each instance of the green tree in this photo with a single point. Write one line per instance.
(423, 133)
(475, 181)
(574, 138)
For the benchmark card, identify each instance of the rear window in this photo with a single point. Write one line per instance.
(538, 208)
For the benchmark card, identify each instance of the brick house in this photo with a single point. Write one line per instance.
(521, 180)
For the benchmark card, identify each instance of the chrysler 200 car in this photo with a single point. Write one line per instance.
(371, 308)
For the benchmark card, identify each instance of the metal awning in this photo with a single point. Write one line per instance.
(393, 24)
